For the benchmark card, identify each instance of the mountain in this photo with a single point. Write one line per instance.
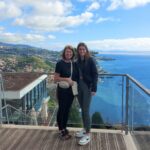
(15, 45)
(20, 57)
(7, 49)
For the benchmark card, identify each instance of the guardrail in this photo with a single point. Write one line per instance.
(124, 86)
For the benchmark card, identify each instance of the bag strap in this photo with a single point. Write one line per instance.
(71, 69)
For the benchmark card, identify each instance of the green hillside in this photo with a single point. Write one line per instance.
(34, 63)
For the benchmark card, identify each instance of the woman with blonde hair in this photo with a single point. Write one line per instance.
(65, 70)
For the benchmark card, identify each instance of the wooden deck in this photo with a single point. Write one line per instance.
(41, 139)
(142, 139)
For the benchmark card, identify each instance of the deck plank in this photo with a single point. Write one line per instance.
(143, 141)
(39, 139)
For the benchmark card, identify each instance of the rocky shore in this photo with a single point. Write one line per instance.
(102, 58)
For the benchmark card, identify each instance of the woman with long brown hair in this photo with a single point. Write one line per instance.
(88, 76)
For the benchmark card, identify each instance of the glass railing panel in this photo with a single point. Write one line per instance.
(75, 119)
(139, 108)
(108, 102)
(107, 106)
(45, 117)
(12, 115)
(139, 116)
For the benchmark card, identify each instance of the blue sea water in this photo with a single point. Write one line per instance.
(138, 66)
(108, 99)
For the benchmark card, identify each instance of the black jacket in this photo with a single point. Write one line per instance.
(89, 72)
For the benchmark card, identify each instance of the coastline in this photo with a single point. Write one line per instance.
(99, 58)
(146, 53)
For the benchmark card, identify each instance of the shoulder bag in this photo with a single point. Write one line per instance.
(65, 84)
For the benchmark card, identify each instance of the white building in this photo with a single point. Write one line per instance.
(25, 91)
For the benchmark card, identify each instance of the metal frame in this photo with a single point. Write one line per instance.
(138, 84)
(125, 77)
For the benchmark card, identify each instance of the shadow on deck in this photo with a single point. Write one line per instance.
(46, 138)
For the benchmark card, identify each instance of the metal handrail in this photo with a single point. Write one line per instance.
(142, 87)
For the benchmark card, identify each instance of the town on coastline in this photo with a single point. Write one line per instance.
(24, 58)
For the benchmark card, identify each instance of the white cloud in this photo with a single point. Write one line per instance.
(9, 37)
(114, 4)
(52, 8)
(135, 45)
(104, 19)
(128, 44)
(51, 37)
(33, 37)
(44, 7)
(93, 6)
(43, 15)
(68, 31)
(127, 4)
(9, 10)
(1, 29)
(79, 19)
(83, 0)
(21, 38)
(54, 23)
(19, 21)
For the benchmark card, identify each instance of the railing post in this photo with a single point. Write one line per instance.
(127, 101)
(0, 100)
(122, 97)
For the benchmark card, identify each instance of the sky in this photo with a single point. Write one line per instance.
(104, 25)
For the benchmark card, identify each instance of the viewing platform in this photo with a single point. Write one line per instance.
(18, 137)
(120, 116)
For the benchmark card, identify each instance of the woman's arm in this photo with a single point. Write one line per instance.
(94, 76)
(57, 78)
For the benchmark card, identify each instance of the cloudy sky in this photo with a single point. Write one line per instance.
(103, 24)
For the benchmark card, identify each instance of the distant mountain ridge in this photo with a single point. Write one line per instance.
(15, 45)
(25, 58)
(22, 50)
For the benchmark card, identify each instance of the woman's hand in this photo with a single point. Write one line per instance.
(93, 93)
(70, 81)
(57, 78)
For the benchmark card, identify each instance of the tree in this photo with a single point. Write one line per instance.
(75, 119)
(97, 121)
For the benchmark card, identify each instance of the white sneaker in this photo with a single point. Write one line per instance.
(80, 134)
(85, 139)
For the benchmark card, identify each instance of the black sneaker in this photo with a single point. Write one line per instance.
(64, 135)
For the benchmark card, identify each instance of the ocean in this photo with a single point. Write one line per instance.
(138, 66)
(108, 98)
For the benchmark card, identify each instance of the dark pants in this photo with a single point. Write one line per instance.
(84, 97)
(65, 99)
